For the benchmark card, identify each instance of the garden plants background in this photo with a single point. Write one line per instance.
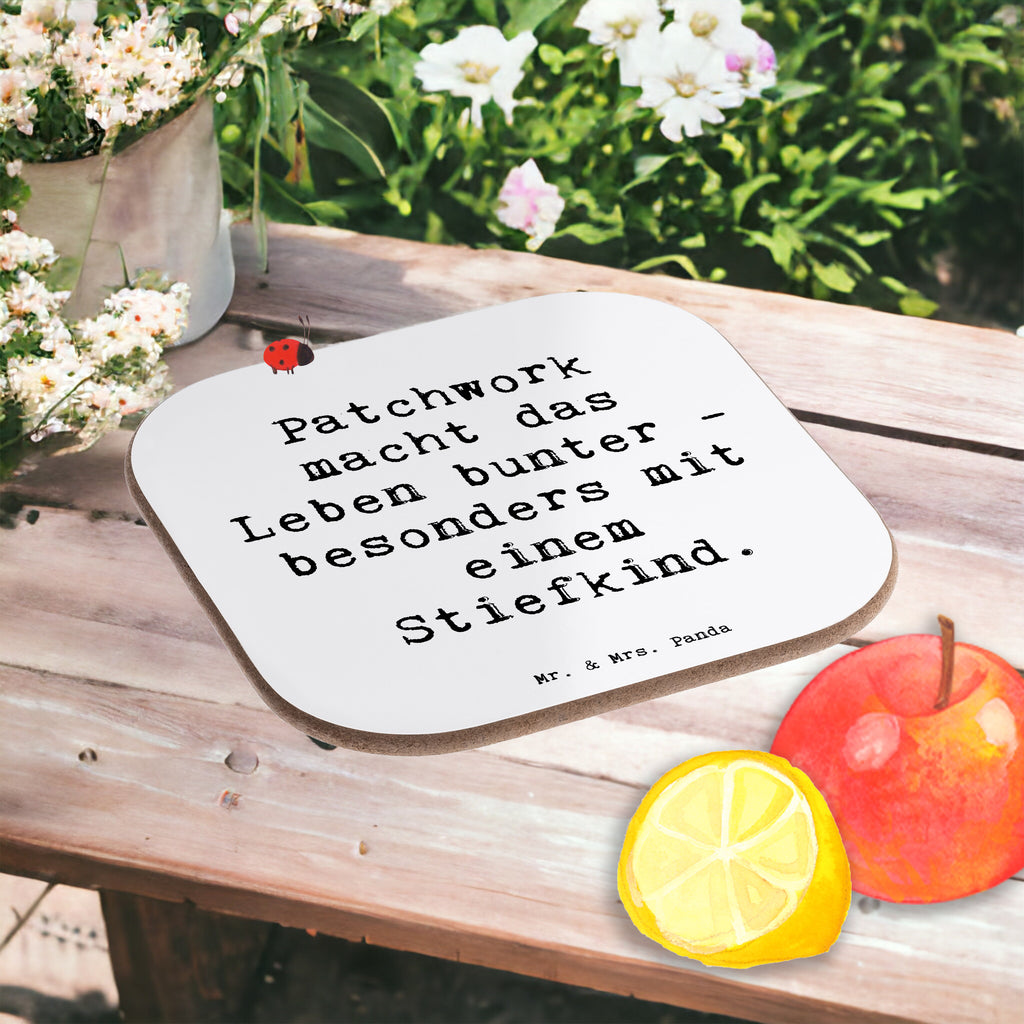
(882, 167)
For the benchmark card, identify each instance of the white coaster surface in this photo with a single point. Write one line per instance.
(460, 531)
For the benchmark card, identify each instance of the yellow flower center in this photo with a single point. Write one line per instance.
(703, 23)
(477, 73)
(48, 382)
(685, 85)
(625, 29)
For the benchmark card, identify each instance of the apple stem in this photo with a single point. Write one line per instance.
(946, 678)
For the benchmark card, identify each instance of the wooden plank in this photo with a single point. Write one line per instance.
(485, 855)
(939, 378)
(174, 962)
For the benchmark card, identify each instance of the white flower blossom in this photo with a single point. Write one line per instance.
(685, 79)
(162, 315)
(138, 69)
(293, 15)
(53, 334)
(21, 250)
(613, 22)
(107, 336)
(28, 296)
(17, 108)
(37, 382)
(81, 13)
(716, 21)
(479, 63)
(528, 203)
(625, 28)
(78, 379)
(22, 39)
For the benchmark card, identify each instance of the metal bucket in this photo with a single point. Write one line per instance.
(158, 205)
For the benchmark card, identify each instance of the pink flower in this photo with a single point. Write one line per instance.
(765, 56)
(528, 203)
(754, 58)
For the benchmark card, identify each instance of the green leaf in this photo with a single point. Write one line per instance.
(915, 304)
(326, 211)
(819, 238)
(781, 243)
(678, 258)
(865, 239)
(982, 32)
(844, 147)
(895, 285)
(970, 52)
(893, 108)
(741, 194)
(529, 14)
(487, 11)
(356, 108)
(284, 103)
(732, 146)
(328, 133)
(237, 174)
(910, 199)
(363, 24)
(646, 167)
(789, 92)
(435, 232)
(281, 205)
(834, 276)
(589, 234)
(841, 188)
(552, 56)
(873, 77)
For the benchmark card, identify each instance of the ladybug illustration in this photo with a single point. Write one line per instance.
(287, 353)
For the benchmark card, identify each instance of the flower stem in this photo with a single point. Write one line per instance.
(946, 677)
(41, 422)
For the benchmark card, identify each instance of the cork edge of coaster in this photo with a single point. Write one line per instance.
(520, 725)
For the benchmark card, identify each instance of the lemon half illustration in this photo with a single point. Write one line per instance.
(734, 859)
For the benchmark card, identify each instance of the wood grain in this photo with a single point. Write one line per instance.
(939, 378)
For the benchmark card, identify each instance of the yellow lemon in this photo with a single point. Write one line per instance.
(734, 859)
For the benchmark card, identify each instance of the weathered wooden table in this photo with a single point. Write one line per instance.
(120, 706)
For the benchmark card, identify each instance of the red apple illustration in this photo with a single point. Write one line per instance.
(917, 745)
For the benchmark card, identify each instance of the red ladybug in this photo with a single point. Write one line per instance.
(287, 353)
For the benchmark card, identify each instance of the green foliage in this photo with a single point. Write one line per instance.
(892, 139)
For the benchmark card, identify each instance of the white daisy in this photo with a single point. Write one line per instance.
(613, 22)
(714, 20)
(479, 63)
(685, 79)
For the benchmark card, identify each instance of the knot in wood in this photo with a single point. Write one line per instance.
(242, 760)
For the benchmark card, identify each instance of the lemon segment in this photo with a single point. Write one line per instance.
(734, 859)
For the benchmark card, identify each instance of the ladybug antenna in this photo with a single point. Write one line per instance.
(306, 327)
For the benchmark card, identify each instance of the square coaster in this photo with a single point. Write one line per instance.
(466, 530)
